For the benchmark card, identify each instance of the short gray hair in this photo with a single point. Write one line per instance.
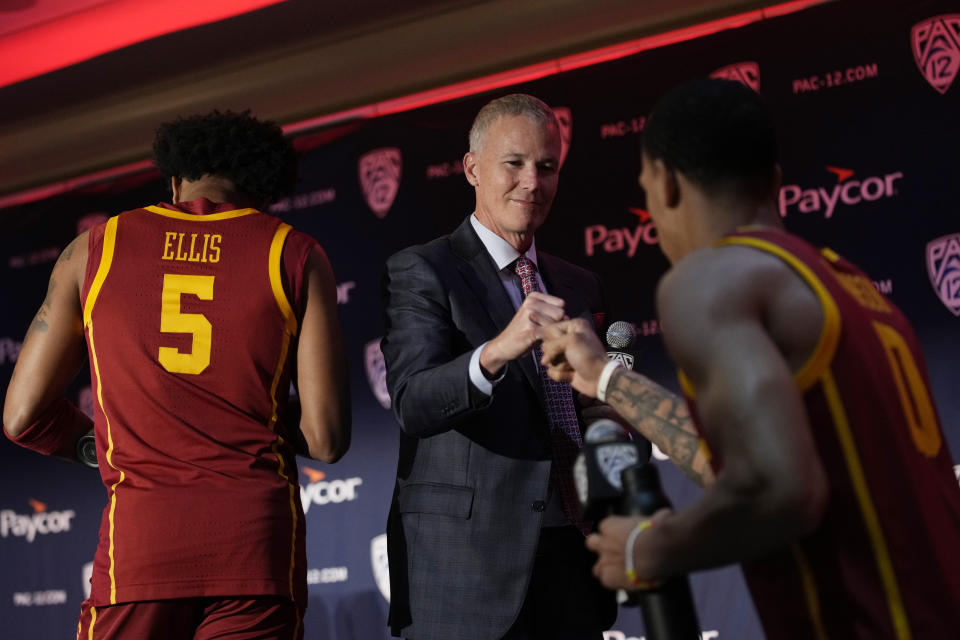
(515, 104)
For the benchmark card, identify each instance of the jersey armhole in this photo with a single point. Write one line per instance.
(102, 241)
(276, 278)
(820, 359)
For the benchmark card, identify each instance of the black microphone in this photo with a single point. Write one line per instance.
(613, 477)
(620, 338)
(668, 610)
(87, 449)
(607, 450)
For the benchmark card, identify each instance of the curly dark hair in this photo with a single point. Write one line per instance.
(716, 132)
(251, 153)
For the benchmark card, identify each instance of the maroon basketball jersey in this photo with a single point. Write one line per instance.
(885, 560)
(191, 317)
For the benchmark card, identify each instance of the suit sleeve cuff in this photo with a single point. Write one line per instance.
(479, 380)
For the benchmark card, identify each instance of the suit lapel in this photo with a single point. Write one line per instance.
(480, 273)
(559, 283)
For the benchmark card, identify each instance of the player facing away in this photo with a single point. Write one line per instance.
(833, 483)
(196, 316)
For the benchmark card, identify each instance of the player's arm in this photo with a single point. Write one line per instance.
(322, 379)
(662, 417)
(575, 355)
(426, 355)
(35, 413)
(772, 487)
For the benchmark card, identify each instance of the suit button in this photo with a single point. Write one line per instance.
(538, 505)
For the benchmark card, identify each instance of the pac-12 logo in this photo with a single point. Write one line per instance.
(86, 574)
(380, 563)
(943, 265)
(380, 178)
(936, 49)
(746, 73)
(565, 120)
(376, 372)
(625, 359)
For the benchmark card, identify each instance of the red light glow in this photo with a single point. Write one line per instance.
(552, 67)
(100, 29)
(440, 94)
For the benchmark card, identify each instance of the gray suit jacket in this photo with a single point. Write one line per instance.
(473, 471)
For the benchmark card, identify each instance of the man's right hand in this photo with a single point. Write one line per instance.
(539, 310)
(573, 353)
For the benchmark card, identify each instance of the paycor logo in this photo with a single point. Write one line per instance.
(321, 491)
(848, 191)
(599, 238)
(40, 522)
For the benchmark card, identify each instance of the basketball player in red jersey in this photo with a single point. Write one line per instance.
(194, 314)
(833, 484)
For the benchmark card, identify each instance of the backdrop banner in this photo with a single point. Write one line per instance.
(869, 127)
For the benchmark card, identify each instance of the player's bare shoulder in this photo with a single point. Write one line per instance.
(72, 262)
(721, 285)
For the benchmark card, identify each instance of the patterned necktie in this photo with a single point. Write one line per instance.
(565, 428)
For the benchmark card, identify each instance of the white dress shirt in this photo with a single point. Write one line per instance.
(504, 255)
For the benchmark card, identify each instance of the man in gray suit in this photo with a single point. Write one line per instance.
(483, 534)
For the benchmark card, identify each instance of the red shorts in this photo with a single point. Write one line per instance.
(258, 617)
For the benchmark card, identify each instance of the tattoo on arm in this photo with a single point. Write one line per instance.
(66, 253)
(662, 418)
(40, 319)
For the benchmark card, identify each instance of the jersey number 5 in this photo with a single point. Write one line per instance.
(173, 321)
(914, 398)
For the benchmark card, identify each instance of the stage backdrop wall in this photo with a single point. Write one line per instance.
(867, 111)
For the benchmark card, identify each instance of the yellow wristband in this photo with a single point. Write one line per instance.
(635, 581)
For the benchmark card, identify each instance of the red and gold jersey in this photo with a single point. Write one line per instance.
(885, 560)
(191, 316)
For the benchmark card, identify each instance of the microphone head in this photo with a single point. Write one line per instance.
(607, 450)
(620, 334)
(605, 430)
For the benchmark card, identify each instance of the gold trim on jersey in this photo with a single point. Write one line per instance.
(822, 354)
(686, 385)
(829, 333)
(196, 217)
(689, 393)
(106, 260)
(810, 593)
(275, 261)
(830, 254)
(93, 620)
(281, 471)
(276, 280)
(859, 480)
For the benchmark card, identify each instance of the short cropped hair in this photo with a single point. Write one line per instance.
(718, 133)
(251, 153)
(515, 104)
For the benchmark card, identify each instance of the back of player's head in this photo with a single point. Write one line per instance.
(251, 153)
(718, 133)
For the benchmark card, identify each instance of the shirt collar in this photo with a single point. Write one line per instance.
(500, 250)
